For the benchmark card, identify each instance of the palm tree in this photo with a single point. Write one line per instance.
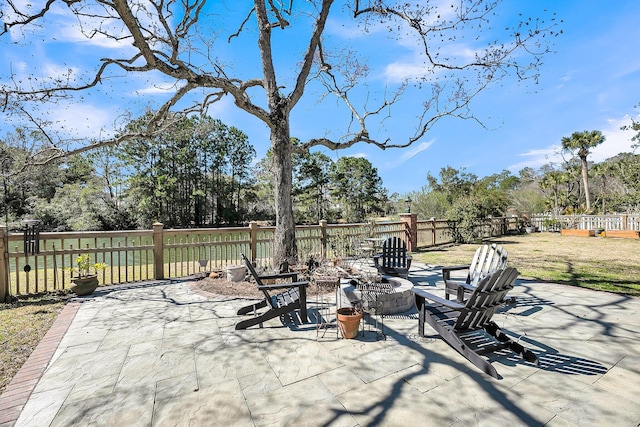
(582, 142)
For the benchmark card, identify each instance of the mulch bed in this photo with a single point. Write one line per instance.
(245, 289)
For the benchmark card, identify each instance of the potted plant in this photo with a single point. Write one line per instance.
(349, 320)
(85, 280)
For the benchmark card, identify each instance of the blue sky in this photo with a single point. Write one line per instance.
(590, 82)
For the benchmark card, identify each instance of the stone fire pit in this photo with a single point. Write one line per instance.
(393, 295)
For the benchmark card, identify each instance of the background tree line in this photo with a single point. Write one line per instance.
(199, 173)
(555, 189)
(204, 173)
(568, 187)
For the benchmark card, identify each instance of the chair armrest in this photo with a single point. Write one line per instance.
(446, 271)
(431, 297)
(453, 283)
(283, 285)
(466, 286)
(293, 276)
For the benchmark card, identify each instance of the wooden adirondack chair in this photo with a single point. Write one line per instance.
(487, 259)
(293, 297)
(393, 260)
(468, 327)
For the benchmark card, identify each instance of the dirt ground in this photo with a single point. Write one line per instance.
(227, 288)
(248, 289)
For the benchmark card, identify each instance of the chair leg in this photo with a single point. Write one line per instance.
(303, 304)
(252, 321)
(420, 307)
(267, 315)
(250, 308)
(450, 289)
(451, 338)
(494, 330)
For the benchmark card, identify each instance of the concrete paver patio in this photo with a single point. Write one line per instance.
(162, 354)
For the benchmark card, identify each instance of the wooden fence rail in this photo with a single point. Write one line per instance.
(160, 253)
(629, 222)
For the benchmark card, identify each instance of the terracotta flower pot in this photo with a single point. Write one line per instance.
(84, 285)
(349, 322)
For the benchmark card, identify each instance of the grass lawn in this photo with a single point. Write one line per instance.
(22, 326)
(598, 263)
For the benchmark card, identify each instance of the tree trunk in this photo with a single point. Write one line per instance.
(284, 240)
(585, 180)
(604, 192)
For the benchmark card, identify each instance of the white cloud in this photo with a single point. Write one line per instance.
(409, 61)
(566, 77)
(85, 121)
(415, 64)
(161, 88)
(409, 153)
(61, 25)
(414, 150)
(69, 32)
(617, 140)
(57, 71)
(537, 158)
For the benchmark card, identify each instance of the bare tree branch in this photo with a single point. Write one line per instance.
(240, 28)
(309, 55)
(176, 40)
(24, 18)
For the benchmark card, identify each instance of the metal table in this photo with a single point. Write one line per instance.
(372, 304)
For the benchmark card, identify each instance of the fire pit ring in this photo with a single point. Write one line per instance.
(393, 295)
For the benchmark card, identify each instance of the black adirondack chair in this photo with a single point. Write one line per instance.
(487, 259)
(393, 260)
(468, 327)
(290, 296)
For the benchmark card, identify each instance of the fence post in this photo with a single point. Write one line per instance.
(253, 241)
(411, 222)
(434, 235)
(4, 263)
(158, 251)
(323, 238)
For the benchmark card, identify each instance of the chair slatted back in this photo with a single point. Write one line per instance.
(256, 277)
(486, 298)
(487, 259)
(394, 253)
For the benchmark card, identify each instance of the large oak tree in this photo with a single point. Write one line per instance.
(270, 54)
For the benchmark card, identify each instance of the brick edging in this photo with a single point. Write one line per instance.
(19, 390)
